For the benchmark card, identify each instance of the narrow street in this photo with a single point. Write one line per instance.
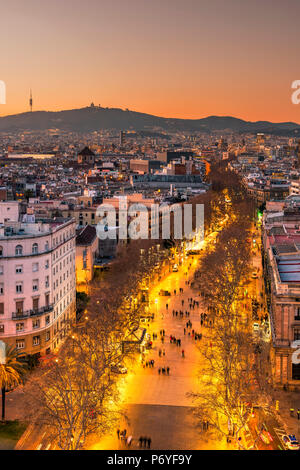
(158, 405)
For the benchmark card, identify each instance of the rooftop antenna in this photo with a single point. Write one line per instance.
(30, 101)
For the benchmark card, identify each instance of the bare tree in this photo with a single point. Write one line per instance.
(232, 379)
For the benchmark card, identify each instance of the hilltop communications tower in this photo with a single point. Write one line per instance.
(30, 101)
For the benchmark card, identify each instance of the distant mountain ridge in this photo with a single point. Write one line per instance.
(95, 118)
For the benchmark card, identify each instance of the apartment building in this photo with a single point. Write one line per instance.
(37, 283)
(282, 269)
(295, 187)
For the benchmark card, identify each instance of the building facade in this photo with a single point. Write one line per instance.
(37, 284)
(282, 271)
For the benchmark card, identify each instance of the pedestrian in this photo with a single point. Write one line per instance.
(129, 439)
(118, 433)
(141, 441)
(149, 442)
(291, 411)
(184, 330)
(145, 441)
(168, 371)
(298, 414)
(164, 352)
(182, 353)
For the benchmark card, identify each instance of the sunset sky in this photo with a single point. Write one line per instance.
(176, 58)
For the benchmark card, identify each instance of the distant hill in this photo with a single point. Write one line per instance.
(95, 118)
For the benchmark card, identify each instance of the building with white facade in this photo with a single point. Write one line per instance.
(37, 283)
(295, 187)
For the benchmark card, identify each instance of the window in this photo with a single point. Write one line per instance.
(1, 328)
(296, 371)
(19, 269)
(1, 270)
(35, 267)
(19, 250)
(1, 250)
(35, 340)
(35, 304)
(35, 324)
(297, 334)
(35, 285)
(47, 319)
(19, 288)
(35, 248)
(47, 246)
(1, 289)
(297, 314)
(19, 307)
(1, 308)
(19, 326)
(47, 264)
(47, 282)
(20, 344)
(47, 335)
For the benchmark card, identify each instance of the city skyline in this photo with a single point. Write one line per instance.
(168, 59)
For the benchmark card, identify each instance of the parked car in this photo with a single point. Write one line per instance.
(255, 326)
(290, 441)
(175, 268)
(254, 275)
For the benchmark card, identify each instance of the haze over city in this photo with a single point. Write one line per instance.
(169, 58)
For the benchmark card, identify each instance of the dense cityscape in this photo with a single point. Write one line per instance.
(149, 263)
(165, 337)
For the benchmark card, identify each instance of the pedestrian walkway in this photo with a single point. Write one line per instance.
(158, 405)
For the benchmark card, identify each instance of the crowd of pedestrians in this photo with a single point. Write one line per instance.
(189, 333)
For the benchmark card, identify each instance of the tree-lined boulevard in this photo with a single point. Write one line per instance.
(165, 349)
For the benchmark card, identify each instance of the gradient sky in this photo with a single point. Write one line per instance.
(176, 58)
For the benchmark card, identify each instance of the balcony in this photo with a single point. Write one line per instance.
(32, 313)
(281, 343)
